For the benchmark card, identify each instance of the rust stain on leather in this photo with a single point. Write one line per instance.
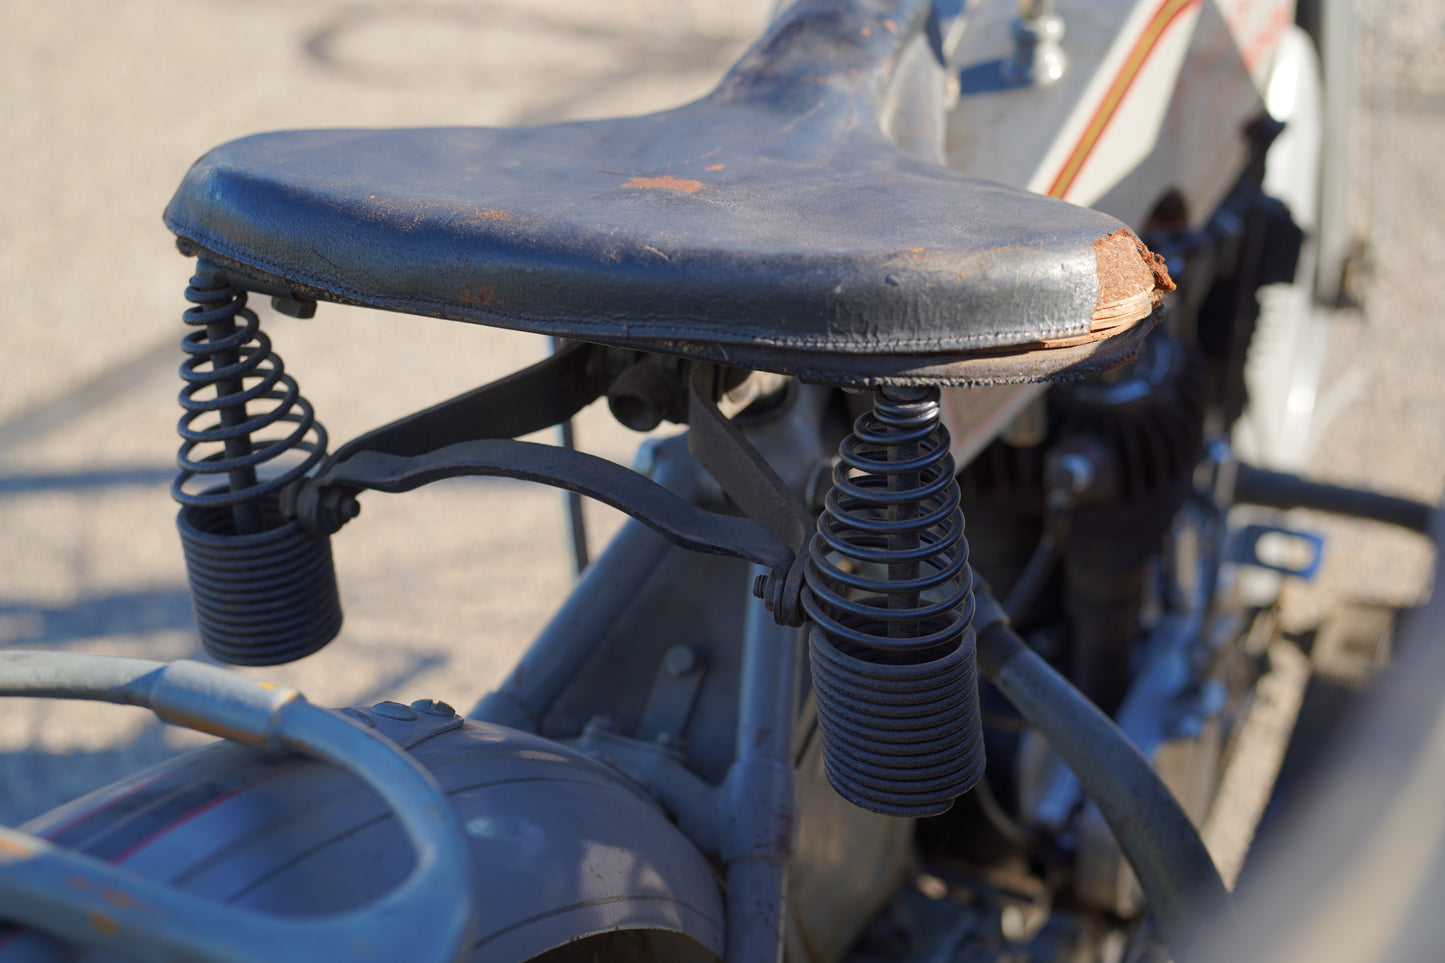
(482, 295)
(14, 848)
(120, 899)
(667, 182)
(103, 924)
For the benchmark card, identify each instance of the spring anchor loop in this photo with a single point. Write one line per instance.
(264, 589)
(888, 585)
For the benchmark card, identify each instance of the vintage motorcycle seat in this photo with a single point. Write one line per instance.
(769, 225)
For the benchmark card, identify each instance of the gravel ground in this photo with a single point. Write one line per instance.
(101, 121)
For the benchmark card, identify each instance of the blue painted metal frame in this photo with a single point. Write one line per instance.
(101, 906)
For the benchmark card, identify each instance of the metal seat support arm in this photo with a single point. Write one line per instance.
(685, 525)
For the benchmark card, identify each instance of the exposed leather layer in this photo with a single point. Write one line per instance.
(768, 225)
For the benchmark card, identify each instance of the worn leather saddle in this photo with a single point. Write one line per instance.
(769, 225)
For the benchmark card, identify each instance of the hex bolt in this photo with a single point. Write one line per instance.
(394, 710)
(1038, 57)
(680, 660)
(1076, 472)
(293, 306)
(433, 707)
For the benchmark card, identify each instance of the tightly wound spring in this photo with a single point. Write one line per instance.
(888, 584)
(264, 589)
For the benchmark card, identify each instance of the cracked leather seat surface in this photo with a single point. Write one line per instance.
(769, 225)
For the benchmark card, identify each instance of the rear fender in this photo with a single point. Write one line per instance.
(564, 847)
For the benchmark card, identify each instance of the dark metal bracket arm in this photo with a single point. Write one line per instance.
(722, 449)
(684, 524)
(529, 400)
(474, 434)
(748, 479)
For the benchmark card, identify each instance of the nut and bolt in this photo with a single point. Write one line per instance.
(1075, 472)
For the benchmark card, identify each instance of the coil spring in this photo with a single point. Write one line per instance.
(888, 584)
(264, 589)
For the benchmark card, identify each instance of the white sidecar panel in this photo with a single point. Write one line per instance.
(564, 847)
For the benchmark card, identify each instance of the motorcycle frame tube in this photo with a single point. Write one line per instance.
(1175, 871)
(752, 815)
(603, 593)
(760, 792)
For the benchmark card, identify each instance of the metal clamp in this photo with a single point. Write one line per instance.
(86, 901)
(1282, 550)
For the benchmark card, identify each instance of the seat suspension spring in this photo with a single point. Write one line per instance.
(888, 585)
(264, 589)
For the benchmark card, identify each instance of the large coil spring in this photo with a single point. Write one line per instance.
(264, 589)
(888, 584)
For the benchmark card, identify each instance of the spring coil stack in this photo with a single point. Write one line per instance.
(264, 589)
(888, 585)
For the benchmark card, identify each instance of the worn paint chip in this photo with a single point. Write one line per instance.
(14, 848)
(120, 899)
(667, 182)
(484, 295)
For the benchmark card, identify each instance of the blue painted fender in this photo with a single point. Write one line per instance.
(564, 847)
